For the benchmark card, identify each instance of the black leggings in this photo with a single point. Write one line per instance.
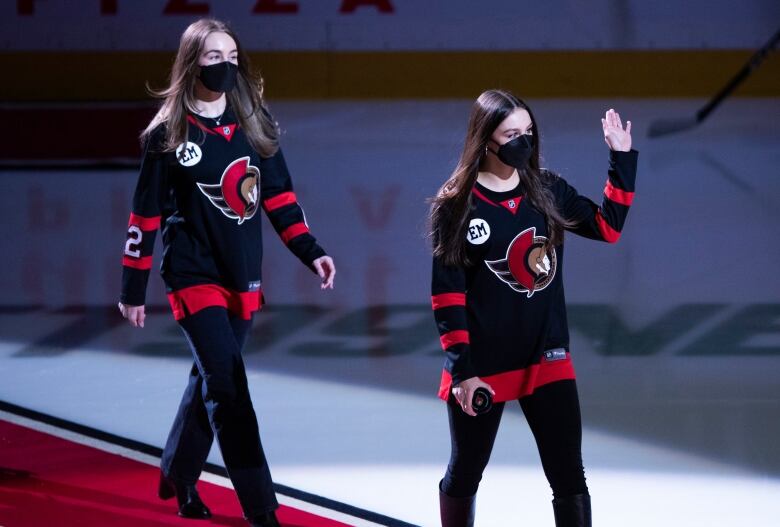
(552, 412)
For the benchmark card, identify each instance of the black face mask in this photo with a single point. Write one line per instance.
(516, 152)
(219, 77)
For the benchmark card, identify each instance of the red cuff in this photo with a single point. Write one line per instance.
(617, 195)
(293, 231)
(144, 263)
(458, 336)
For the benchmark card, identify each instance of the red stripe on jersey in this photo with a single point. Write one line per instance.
(512, 204)
(515, 384)
(445, 385)
(278, 201)
(481, 196)
(200, 125)
(292, 231)
(151, 223)
(144, 263)
(448, 299)
(190, 300)
(617, 195)
(226, 131)
(456, 336)
(607, 232)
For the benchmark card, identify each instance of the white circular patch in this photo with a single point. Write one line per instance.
(478, 231)
(188, 154)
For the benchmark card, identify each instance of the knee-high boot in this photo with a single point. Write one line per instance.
(456, 512)
(572, 511)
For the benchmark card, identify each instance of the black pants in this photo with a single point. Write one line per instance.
(216, 401)
(552, 412)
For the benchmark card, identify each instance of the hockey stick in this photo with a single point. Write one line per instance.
(670, 126)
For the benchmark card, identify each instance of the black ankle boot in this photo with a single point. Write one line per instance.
(572, 511)
(457, 512)
(267, 519)
(190, 504)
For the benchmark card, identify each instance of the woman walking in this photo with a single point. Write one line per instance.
(497, 294)
(211, 161)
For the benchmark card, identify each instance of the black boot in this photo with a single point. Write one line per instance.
(190, 504)
(572, 511)
(457, 512)
(267, 519)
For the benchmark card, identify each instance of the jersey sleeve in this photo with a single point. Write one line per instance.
(281, 205)
(448, 299)
(143, 224)
(603, 222)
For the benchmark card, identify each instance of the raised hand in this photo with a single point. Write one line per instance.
(614, 135)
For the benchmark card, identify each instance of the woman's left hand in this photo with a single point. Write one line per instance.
(326, 269)
(614, 135)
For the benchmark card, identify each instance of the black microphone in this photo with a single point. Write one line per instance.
(481, 401)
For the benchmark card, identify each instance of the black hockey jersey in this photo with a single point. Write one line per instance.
(205, 197)
(503, 317)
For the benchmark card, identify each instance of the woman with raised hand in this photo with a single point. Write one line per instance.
(497, 226)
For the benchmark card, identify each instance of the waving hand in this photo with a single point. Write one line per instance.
(614, 135)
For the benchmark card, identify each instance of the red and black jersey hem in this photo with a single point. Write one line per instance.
(190, 300)
(515, 384)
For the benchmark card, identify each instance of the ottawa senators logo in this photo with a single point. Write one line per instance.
(527, 268)
(237, 194)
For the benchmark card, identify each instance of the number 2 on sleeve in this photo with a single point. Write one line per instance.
(134, 237)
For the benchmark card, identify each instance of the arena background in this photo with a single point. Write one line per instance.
(675, 330)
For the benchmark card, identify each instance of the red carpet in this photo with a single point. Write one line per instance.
(49, 481)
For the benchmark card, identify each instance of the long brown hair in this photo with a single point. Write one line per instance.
(246, 98)
(451, 206)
